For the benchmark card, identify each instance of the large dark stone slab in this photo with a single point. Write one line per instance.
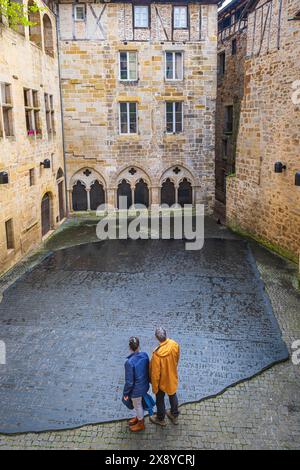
(66, 326)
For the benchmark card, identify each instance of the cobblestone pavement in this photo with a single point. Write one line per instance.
(263, 412)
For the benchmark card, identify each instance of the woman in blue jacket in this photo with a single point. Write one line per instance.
(136, 382)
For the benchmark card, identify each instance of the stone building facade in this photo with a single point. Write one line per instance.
(139, 91)
(260, 201)
(32, 199)
(232, 44)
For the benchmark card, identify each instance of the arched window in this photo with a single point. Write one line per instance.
(19, 28)
(167, 193)
(46, 213)
(60, 188)
(79, 197)
(124, 189)
(59, 174)
(34, 17)
(141, 193)
(185, 193)
(97, 195)
(48, 36)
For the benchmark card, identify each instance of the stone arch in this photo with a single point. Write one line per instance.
(124, 189)
(35, 32)
(184, 185)
(185, 192)
(141, 193)
(88, 189)
(46, 213)
(132, 175)
(48, 35)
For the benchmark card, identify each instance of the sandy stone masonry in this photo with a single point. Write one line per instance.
(259, 201)
(24, 64)
(92, 91)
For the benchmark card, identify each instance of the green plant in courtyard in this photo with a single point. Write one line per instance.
(17, 14)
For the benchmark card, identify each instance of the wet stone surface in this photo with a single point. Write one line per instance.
(66, 326)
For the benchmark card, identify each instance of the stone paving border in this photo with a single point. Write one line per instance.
(262, 413)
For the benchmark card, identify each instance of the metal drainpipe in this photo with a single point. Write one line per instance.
(61, 111)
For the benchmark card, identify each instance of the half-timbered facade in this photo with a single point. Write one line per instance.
(139, 89)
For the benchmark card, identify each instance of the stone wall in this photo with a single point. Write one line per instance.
(92, 92)
(25, 65)
(259, 201)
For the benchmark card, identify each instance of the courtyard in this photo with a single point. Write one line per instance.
(67, 313)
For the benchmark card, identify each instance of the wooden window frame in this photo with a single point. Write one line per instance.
(9, 234)
(49, 114)
(33, 109)
(8, 107)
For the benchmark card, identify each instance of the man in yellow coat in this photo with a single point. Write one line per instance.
(164, 377)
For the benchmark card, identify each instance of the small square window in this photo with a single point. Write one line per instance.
(141, 16)
(79, 12)
(180, 17)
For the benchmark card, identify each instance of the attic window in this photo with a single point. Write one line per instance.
(79, 12)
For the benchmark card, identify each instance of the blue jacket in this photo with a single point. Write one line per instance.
(136, 375)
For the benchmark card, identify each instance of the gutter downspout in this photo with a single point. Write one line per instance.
(61, 110)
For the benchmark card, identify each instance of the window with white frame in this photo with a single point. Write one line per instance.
(180, 17)
(128, 118)
(6, 111)
(128, 65)
(141, 16)
(174, 65)
(174, 117)
(79, 12)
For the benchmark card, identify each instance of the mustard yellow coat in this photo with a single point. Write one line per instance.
(163, 367)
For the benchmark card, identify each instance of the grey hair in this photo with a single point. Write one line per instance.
(161, 334)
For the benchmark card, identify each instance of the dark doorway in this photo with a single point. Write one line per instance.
(185, 193)
(124, 189)
(167, 193)
(46, 214)
(141, 193)
(61, 200)
(97, 195)
(79, 197)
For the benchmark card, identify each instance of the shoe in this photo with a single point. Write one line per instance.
(139, 426)
(132, 421)
(161, 422)
(173, 418)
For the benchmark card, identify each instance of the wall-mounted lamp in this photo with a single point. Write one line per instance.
(297, 178)
(3, 177)
(46, 163)
(279, 167)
